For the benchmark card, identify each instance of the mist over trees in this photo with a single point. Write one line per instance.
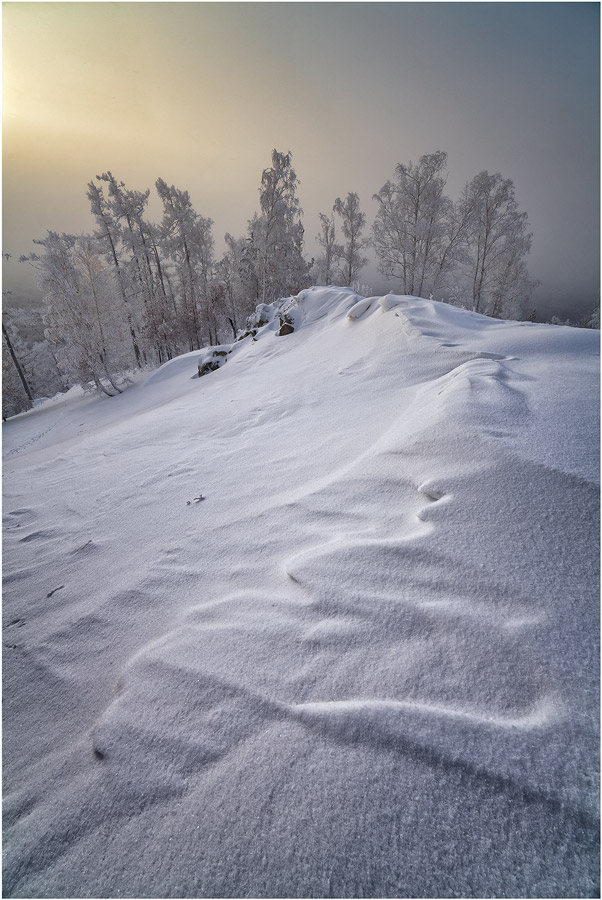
(134, 293)
(471, 251)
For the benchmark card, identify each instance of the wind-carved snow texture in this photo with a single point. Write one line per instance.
(365, 665)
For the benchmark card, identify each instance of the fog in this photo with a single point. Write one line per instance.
(199, 94)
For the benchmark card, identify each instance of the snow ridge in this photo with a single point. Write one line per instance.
(365, 665)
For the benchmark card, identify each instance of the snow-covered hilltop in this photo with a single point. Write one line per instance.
(364, 664)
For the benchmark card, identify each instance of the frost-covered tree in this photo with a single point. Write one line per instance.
(593, 319)
(452, 252)
(108, 235)
(142, 264)
(35, 358)
(186, 240)
(83, 313)
(325, 265)
(351, 260)
(16, 391)
(498, 242)
(42, 370)
(277, 233)
(235, 272)
(14, 398)
(10, 342)
(411, 230)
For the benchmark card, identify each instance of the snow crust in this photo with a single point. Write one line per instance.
(366, 664)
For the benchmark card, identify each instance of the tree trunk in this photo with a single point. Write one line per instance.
(17, 364)
(100, 385)
(123, 295)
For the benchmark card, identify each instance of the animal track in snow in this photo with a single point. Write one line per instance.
(28, 443)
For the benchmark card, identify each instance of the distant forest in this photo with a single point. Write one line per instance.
(134, 293)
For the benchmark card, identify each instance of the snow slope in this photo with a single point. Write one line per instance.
(366, 664)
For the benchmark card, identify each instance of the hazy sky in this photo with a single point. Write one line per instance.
(199, 94)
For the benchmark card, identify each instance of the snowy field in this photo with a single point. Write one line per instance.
(365, 664)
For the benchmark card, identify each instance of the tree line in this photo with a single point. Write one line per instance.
(135, 293)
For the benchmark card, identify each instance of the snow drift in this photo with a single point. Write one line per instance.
(366, 664)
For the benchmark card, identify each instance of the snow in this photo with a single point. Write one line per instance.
(365, 665)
